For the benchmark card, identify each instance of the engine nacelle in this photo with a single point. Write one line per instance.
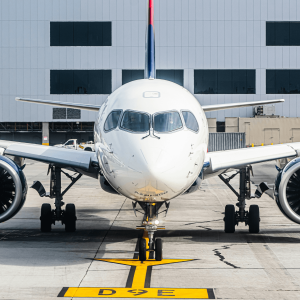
(13, 188)
(287, 190)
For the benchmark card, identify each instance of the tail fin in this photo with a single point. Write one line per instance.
(150, 72)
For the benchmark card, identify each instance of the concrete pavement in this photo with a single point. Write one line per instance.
(35, 265)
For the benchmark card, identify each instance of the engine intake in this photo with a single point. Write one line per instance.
(13, 188)
(287, 190)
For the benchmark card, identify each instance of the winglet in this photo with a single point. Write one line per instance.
(150, 72)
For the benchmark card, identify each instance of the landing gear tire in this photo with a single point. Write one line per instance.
(229, 219)
(70, 218)
(254, 219)
(158, 249)
(46, 217)
(142, 250)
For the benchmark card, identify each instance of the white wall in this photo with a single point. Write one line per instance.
(190, 34)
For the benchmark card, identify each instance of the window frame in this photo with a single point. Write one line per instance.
(166, 111)
(136, 111)
(187, 110)
(106, 131)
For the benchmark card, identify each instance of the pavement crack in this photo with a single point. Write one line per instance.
(222, 258)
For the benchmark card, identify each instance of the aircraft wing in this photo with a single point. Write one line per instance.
(219, 161)
(81, 161)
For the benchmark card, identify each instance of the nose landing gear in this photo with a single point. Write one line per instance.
(149, 247)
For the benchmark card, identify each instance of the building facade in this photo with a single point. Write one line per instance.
(82, 50)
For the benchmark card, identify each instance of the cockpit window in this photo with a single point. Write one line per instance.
(135, 121)
(190, 121)
(167, 121)
(112, 120)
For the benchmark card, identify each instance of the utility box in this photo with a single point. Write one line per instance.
(212, 124)
(264, 110)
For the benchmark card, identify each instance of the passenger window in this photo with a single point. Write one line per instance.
(112, 120)
(190, 121)
(166, 122)
(135, 121)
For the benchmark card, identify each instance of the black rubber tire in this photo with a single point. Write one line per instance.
(70, 218)
(254, 219)
(158, 250)
(88, 149)
(46, 217)
(142, 250)
(229, 220)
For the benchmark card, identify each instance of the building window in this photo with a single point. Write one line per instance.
(80, 33)
(283, 81)
(175, 76)
(80, 82)
(66, 113)
(282, 33)
(131, 75)
(224, 82)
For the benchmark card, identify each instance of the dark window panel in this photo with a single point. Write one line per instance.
(282, 79)
(205, 82)
(80, 34)
(251, 82)
(282, 33)
(66, 34)
(106, 33)
(80, 81)
(175, 76)
(270, 82)
(59, 113)
(224, 81)
(106, 81)
(95, 34)
(131, 75)
(270, 33)
(294, 81)
(73, 113)
(239, 81)
(225, 84)
(54, 34)
(95, 81)
(294, 33)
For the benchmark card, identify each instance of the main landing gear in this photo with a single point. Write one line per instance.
(150, 247)
(251, 217)
(49, 215)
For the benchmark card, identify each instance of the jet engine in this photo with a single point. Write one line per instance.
(13, 188)
(287, 190)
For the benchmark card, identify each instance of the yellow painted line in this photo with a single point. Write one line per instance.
(141, 267)
(106, 292)
(45, 144)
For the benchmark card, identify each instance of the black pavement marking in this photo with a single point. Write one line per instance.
(135, 256)
(62, 292)
(222, 258)
(211, 294)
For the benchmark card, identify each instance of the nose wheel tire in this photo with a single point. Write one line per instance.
(70, 218)
(229, 219)
(142, 250)
(158, 249)
(254, 219)
(46, 217)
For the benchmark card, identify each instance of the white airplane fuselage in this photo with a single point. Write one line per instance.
(155, 167)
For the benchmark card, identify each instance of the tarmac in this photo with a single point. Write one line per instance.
(100, 259)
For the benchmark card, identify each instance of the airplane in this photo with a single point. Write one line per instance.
(151, 138)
